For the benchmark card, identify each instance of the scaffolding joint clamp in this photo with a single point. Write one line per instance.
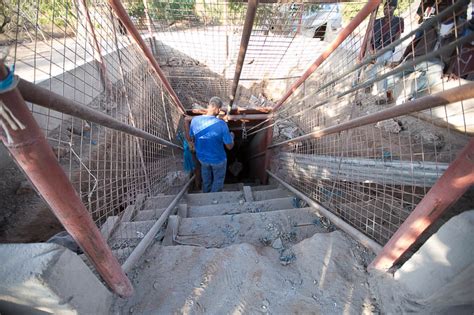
(10, 82)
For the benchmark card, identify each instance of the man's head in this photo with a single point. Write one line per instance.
(389, 8)
(214, 106)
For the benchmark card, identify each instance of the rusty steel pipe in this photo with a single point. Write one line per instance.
(453, 95)
(98, 52)
(45, 98)
(368, 35)
(244, 43)
(28, 146)
(359, 18)
(455, 181)
(120, 12)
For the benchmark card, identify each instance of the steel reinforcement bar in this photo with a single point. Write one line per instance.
(453, 95)
(45, 98)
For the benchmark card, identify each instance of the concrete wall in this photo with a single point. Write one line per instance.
(47, 278)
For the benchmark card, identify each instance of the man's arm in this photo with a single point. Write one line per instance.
(231, 145)
(188, 134)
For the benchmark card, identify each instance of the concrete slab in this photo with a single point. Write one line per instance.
(109, 226)
(145, 215)
(233, 187)
(48, 279)
(271, 194)
(236, 208)
(132, 230)
(214, 198)
(158, 202)
(434, 272)
(128, 213)
(254, 228)
(248, 194)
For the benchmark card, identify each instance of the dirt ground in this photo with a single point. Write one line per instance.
(327, 277)
(24, 216)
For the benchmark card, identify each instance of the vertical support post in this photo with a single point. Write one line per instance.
(98, 52)
(363, 13)
(455, 181)
(268, 142)
(244, 42)
(149, 24)
(28, 146)
(300, 19)
(117, 6)
(368, 35)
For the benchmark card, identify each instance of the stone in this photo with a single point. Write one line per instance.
(25, 188)
(389, 125)
(277, 244)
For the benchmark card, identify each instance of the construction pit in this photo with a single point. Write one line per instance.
(338, 199)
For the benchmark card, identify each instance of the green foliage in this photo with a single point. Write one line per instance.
(57, 12)
(5, 16)
(237, 7)
(172, 10)
(349, 10)
(136, 9)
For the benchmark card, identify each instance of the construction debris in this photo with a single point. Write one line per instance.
(389, 125)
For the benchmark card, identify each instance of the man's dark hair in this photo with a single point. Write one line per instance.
(216, 102)
(392, 3)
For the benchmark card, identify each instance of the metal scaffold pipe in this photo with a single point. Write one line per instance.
(244, 42)
(45, 98)
(359, 18)
(119, 10)
(28, 146)
(453, 95)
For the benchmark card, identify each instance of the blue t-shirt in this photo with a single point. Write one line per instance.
(210, 134)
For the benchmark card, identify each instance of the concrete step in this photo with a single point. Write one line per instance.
(264, 187)
(271, 194)
(158, 202)
(259, 229)
(214, 198)
(233, 187)
(130, 233)
(237, 208)
(145, 215)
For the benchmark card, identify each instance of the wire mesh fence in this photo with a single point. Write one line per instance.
(81, 51)
(374, 175)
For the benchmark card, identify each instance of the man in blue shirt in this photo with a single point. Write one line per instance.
(209, 136)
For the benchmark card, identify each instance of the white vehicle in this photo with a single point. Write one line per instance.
(324, 23)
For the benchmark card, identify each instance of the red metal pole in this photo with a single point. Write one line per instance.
(455, 181)
(244, 43)
(28, 146)
(132, 30)
(363, 13)
(368, 35)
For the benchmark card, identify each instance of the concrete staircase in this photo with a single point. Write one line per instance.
(266, 215)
